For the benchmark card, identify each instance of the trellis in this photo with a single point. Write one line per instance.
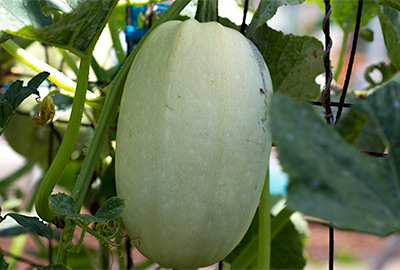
(326, 100)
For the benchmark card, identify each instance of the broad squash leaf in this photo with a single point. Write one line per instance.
(344, 13)
(332, 180)
(266, 10)
(293, 61)
(76, 30)
(389, 19)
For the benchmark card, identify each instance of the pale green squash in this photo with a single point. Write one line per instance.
(192, 143)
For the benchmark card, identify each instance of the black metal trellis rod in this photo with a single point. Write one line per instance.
(325, 98)
(245, 9)
(351, 59)
(332, 104)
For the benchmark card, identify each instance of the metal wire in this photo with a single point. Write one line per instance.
(326, 94)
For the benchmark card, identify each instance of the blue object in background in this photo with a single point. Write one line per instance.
(278, 179)
(134, 33)
(134, 14)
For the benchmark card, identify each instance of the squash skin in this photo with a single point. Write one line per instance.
(193, 143)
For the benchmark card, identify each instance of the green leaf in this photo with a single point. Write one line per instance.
(57, 266)
(329, 178)
(85, 218)
(293, 61)
(13, 231)
(287, 249)
(383, 111)
(16, 14)
(356, 129)
(15, 94)
(387, 71)
(389, 19)
(3, 264)
(110, 209)
(267, 9)
(344, 13)
(65, 6)
(76, 31)
(32, 223)
(62, 204)
(350, 126)
(390, 3)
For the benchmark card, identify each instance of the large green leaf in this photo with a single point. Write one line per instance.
(15, 14)
(344, 13)
(110, 209)
(329, 178)
(287, 249)
(356, 129)
(65, 6)
(293, 61)
(32, 223)
(389, 19)
(390, 3)
(75, 31)
(267, 9)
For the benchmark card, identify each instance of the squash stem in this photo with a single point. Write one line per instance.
(264, 231)
(65, 241)
(60, 161)
(60, 79)
(207, 11)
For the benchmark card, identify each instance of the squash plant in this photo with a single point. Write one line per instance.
(315, 156)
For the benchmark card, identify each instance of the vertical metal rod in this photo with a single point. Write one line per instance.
(246, 8)
(351, 59)
(331, 247)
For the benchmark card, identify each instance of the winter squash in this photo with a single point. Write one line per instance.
(193, 142)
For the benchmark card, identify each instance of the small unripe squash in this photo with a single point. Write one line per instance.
(193, 142)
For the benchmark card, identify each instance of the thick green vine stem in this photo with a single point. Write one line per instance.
(264, 227)
(68, 86)
(60, 161)
(207, 11)
(65, 242)
(113, 96)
